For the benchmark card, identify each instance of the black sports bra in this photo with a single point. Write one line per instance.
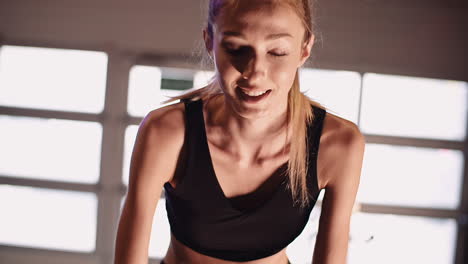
(202, 218)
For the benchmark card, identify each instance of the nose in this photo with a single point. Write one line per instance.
(255, 70)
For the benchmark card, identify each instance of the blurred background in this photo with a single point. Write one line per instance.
(76, 78)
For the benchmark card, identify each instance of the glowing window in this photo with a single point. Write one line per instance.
(49, 219)
(130, 136)
(414, 107)
(54, 79)
(338, 91)
(376, 238)
(411, 176)
(150, 86)
(50, 149)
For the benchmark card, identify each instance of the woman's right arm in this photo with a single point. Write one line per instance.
(154, 158)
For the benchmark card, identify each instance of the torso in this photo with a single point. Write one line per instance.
(235, 185)
(178, 253)
(235, 178)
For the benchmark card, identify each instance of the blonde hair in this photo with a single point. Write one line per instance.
(299, 106)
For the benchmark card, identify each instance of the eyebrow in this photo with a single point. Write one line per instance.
(279, 35)
(269, 37)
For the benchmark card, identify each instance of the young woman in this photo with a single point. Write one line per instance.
(239, 159)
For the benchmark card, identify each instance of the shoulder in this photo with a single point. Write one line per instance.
(341, 150)
(167, 122)
(341, 133)
(160, 138)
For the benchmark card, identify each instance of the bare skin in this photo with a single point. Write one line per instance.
(164, 128)
(244, 137)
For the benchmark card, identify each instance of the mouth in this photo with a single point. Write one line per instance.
(252, 96)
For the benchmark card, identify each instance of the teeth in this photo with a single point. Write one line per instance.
(252, 93)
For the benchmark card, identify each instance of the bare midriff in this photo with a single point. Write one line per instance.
(178, 253)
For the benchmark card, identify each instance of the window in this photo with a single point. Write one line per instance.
(338, 91)
(66, 156)
(161, 233)
(414, 107)
(150, 87)
(144, 93)
(413, 164)
(411, 176)
(50, 149)
(377, 238)
(202, 78)
(301, 249)
(53, 79)
(432, 172)
(130, 137)
(51, 142)
(49, 219)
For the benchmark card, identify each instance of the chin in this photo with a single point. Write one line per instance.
(250, 112)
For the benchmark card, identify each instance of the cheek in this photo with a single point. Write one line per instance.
(283, 74)
(226, 72)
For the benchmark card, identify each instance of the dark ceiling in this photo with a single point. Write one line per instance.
(413, 37)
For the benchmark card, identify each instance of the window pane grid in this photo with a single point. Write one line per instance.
(431, 215)
(56, 185)
(414, 142)
(55, 202)
(367, 208)
(406, 210)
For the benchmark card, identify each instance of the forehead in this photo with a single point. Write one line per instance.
(259, 17)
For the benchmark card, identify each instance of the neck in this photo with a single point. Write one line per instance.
(255, 130)
(249, 139)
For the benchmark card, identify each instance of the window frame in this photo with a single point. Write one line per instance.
(110, 188)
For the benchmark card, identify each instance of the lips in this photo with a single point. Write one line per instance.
(252, 96)
(254, 93)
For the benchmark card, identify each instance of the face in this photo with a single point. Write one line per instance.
(257, 49)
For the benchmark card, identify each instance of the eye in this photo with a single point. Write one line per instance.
(236, 51)
(278, 54)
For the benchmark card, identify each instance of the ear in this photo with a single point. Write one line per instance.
(208, 41)
(306, 50)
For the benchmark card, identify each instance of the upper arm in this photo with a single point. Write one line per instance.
(342, 161)
(154, 158)
(157, 146)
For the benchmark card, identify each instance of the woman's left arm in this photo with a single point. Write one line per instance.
(342, 160)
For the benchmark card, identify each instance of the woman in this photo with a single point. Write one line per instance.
(240, 159)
